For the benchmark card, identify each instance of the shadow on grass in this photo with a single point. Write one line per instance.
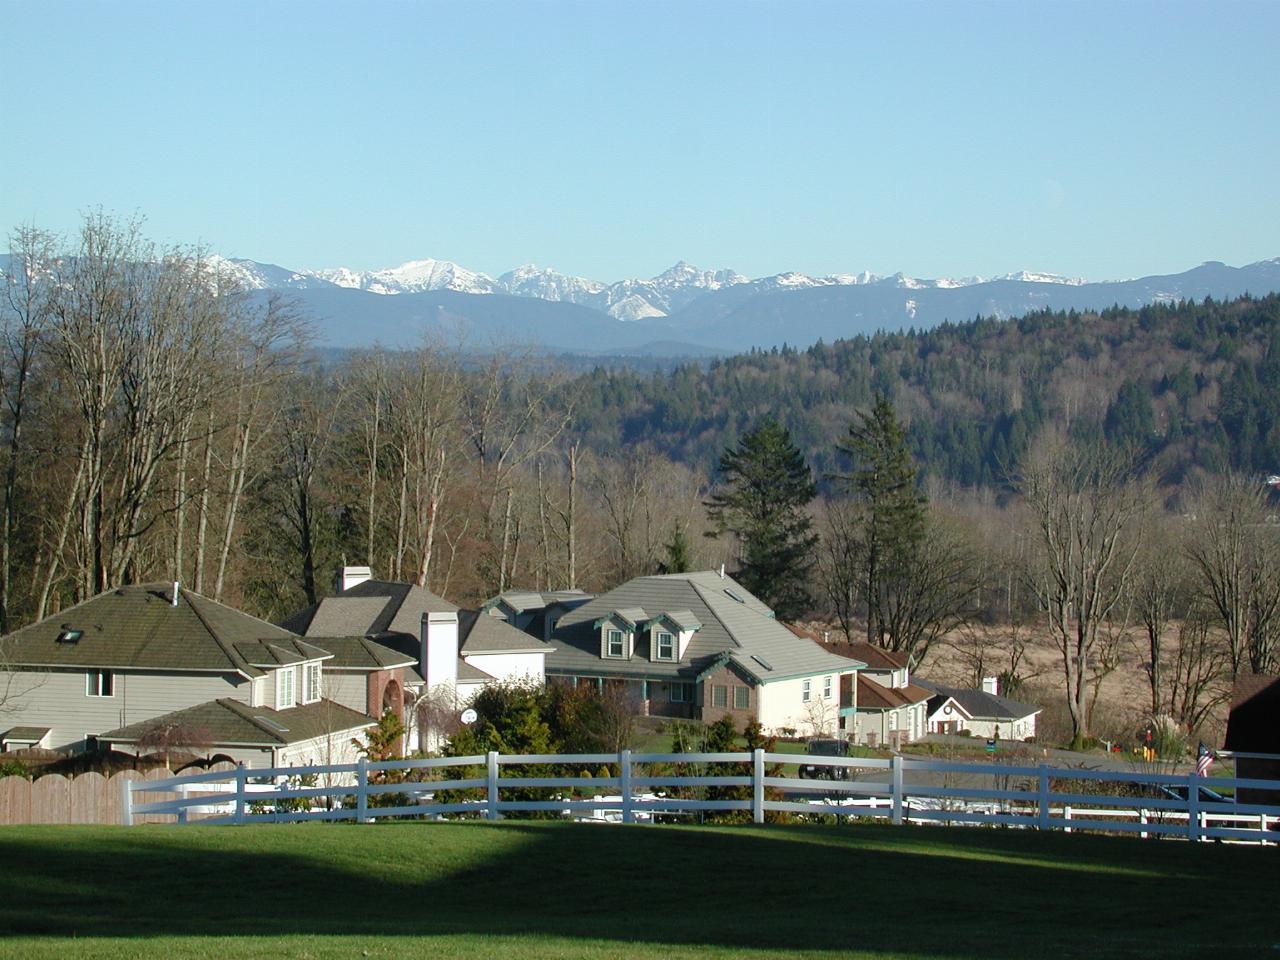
(936, 891)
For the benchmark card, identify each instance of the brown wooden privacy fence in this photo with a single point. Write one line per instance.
(87, 798)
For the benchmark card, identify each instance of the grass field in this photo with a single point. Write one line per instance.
(542, 890)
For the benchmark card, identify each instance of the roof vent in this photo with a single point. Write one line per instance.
(762, 661)
(70, 636)
(734, 596)
(267, 722)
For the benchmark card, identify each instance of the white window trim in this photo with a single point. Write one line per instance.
(608, 644)
(292, 701)
(806, 690)
(826, 688)
(657, 648)
(93, 683)
(308, 671)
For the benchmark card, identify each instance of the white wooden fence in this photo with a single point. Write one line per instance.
(644, 785)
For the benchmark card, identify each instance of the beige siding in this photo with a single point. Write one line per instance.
(782, 705)
(58, 699)
(349, 689)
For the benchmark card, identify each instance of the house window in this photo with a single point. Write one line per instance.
(805, 689)
(286, 696)
(719, 696)
(666, 646)
(682, 693)
(70, 636)
(615, 643)
(826, 688)
(741, 698)
(100, 683)
(313, 683)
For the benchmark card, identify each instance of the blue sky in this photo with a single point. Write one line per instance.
(610, 139)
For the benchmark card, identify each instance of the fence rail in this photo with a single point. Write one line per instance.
(643, 786)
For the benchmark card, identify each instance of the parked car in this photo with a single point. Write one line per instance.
(823, 747)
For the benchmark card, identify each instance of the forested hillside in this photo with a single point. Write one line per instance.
(1195, 385)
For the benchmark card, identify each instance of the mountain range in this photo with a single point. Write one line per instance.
(685, 311)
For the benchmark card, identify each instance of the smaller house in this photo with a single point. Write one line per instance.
(890, 709)
(982, 713)
(1253, 727)
(255, 736)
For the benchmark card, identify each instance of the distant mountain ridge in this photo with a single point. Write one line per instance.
(685, 311)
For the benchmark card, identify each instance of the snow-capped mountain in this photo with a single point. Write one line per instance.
(413, 276)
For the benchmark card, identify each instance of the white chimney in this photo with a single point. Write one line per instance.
(991, 685)
(722, 571)
(173, 601)
(438, 659)
(349, 577)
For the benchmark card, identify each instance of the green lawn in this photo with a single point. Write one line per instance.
(535, 890)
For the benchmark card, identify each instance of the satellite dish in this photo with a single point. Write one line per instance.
(469, 715)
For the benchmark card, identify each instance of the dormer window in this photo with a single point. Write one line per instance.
(665, 646)
(615, 644)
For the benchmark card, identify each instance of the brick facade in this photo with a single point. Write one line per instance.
(729, 678)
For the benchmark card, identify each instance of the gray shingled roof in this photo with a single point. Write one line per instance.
(381, 607)
(282, 653)
(138, 627)
(483, 633)
(228, 723)
(364, 653)
(733, 622)
(26, 733)
(978, 704)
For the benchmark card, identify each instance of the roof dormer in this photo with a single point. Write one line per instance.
(669, 635)
(618, 633)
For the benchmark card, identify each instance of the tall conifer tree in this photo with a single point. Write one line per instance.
(883, 480)
(764, 501)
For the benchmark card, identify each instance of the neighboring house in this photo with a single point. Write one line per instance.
(444, 655)
(1253, 726)
(983, 713)
(700, 646)
(535, 613)
(136, 659)
(890, 709)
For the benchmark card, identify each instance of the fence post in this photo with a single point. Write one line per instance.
(624, 782)
(126, 801)
(757, 785)
(242, 777)
(362, 790)
(1142, 819)
(895, 784)
(491, 774)
(1193, 807)
(1042, 797)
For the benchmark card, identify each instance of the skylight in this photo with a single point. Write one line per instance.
(267, 722)
(734, 596)
(70, 636)
(762, 661)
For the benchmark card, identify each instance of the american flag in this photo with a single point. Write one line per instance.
(1203, 759)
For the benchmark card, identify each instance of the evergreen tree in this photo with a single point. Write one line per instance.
(891, 523)
(764, 502)
(677, 558)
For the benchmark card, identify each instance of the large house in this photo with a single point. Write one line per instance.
(156, 666)
(982, 713)
(449, 653)
(693, 645)
(890, 709)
